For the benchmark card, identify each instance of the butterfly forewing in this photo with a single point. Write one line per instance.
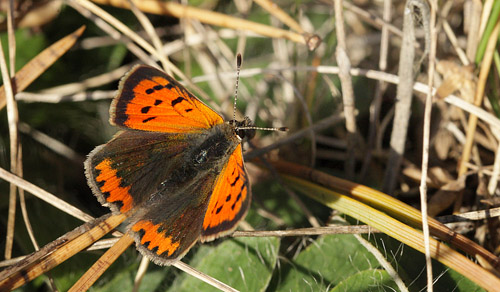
(150, 100)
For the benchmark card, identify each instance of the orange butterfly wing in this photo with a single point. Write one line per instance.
(150, 100)
(230, 199)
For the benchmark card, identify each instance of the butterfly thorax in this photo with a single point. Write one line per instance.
(214, 147)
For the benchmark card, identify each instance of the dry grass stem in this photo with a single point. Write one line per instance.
(150, 30)
(475, 215)
(426, 142)
(318, 126)
(96, 81)
(34, 68)
(404, 93)
(347, 90)
(493, 183)
(382, 260)
(204, 277)
(44, 195)
(312, 40)
(376, 104)
(208, 17)
(277, 12)
(311, 231)
(48, 260)
(115, 34)
(141, 272)
(13, 120)
(52, 144)
(57, 98)
(100, 266)
(478, 98)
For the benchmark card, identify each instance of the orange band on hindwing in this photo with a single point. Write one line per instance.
(110, 186)
(153, 239)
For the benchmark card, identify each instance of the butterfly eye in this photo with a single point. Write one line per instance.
(246, 134)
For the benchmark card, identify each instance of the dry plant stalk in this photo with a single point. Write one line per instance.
(208, 17)
(347, 90)
(404, 91)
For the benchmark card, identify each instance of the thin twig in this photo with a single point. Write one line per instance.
(44, 195)
(204, 277)
(13, 120)
(478, 98)
(150, 30)
(208, 17)
(141, 272)
(347, 90)
(404, 94)
(91, 82)
(383, 261)
(114, 34)
(470, 216)
(493, 183)
(321, 125)
(376, 104)
(53, 144)
(426, 143)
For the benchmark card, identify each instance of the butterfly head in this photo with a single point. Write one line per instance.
(244, 129)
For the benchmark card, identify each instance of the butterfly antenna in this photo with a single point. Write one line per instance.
(281, 129)
(238, 67)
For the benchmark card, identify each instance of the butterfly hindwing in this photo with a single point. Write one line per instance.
(230, 198)
(169, 228)
(150, 100)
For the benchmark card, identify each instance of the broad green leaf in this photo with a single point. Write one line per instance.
(325, 263)
(367, 280)
(245, 264)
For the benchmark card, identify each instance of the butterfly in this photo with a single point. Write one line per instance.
(176, 167)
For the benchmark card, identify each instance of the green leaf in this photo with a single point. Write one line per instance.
(245, 264)
(325, 263)
(367, 280)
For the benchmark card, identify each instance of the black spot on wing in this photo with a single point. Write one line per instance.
(158, 102)
(100, 183)
(228, 198)
(141, 233)
(118, 204)
(106, 195)
(145, 109)
(177, 101)
(149, 91)
(148, 119)
(218, 210)
(235, 180)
